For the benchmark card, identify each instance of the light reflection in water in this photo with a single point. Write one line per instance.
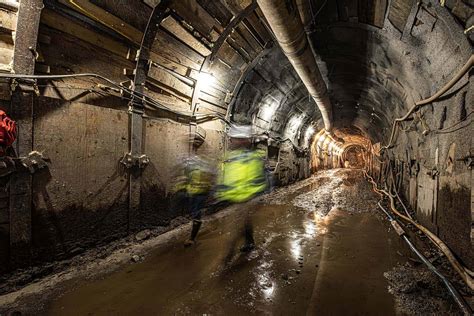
(264, 280)
(310, 229)
(295, 247)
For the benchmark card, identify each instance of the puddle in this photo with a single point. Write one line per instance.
(307, 261)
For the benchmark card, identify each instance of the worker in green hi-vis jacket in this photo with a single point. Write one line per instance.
(242, 175)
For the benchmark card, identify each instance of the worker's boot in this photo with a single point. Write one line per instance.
(249, 241)
(196, 226)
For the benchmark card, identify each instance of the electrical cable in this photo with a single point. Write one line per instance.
(399, 198)
(444, 130)
(464, 273)
(144, 98)
(451, 289)
(467, 66)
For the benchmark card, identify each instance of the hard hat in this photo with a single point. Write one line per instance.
(240, 131)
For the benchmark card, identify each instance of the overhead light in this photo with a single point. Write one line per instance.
(309, 132)
(206, 79)
(293, 125)
(268, 108)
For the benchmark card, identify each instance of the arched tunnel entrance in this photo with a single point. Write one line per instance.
(120, 122)
(353, 156)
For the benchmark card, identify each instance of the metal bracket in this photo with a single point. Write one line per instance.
(34, 161)
(433, 173)
(468, 160)
(130, 161)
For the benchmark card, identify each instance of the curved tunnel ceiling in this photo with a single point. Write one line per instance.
(374, 75)
(375, 60)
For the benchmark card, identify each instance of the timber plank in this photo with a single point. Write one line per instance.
(230, 56)
(249, 38)
(63, 24)
(168, 64)
(135, 13)
(206, 107)
(240, 50)
(100, 15)
(8, 20)
(213, 91)
(258, 26)
(167, 79)
(151, 3)
(173, 48)
(228, 77)
(217, 10)
(197, 17)
(160, 88)
(379, 7)
(399, 12)
(169, 100)
(6, 56)
(172, 26)
(211, 99)
(218, 86)
(239, 40)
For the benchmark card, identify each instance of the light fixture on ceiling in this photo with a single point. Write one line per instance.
(206, 79)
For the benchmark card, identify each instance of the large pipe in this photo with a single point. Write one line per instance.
(285, 22)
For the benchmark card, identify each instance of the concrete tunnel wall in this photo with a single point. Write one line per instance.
(377, 59)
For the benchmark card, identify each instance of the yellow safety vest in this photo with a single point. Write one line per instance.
(199, 182)
(242, 176)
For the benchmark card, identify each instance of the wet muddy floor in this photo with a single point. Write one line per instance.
(321, 250)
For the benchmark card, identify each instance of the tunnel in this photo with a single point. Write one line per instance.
(358, 114)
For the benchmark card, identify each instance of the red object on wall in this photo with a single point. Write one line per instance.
(8, 130)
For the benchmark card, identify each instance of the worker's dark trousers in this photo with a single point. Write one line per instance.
(196, 204)
(248, 230)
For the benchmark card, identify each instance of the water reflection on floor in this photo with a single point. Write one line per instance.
(321, 260)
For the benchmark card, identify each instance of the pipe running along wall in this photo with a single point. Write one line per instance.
(285, 22)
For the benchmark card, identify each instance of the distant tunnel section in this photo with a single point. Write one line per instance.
(347, 148)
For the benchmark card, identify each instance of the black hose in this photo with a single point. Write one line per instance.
(465, 308)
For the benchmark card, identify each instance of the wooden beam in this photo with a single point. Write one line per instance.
(151, 3)
(22, 111)
(102, 16)
(172, 26)
(61, 23)
(177, 59)
(173, 49)
(8, 20)
(197, 17)
(178, 87)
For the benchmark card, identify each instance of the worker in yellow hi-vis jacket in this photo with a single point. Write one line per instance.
(197, 181)
(242, 175)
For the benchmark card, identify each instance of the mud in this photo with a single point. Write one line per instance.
(320, 250)
(418, 291)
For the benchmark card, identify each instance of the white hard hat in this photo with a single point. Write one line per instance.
(240, 131)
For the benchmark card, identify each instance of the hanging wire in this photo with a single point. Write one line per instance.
(90, 76)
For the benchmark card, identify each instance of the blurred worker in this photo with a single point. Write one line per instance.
(8, 133)
(242, 175)
(198, 183)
